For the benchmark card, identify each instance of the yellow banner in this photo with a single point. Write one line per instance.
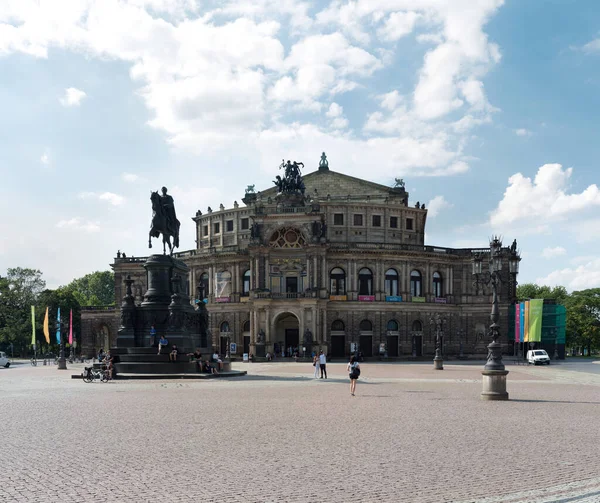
(536, 310)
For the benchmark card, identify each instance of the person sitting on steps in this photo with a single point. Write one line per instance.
(173, 353)
(162, 342)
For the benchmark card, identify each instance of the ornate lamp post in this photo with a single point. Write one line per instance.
(494, 372)
(438, 361)
(62, 361)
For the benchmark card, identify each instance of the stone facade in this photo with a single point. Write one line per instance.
(345, 265)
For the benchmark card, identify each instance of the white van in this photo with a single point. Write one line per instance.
(536, 356)
(4, 361)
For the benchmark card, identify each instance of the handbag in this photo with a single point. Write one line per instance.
(314, 364)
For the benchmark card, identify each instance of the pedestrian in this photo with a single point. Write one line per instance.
(316, 365)
(162, 342)
(323, 364)
(173, 354)
(152, 336)
(353, 373)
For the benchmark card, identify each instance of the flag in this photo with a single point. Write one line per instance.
(58, 326)
(526, 318)
(536, 310)
(517, 322)
(33, 326)
(71, 328)
(46, 329)
(522, 321)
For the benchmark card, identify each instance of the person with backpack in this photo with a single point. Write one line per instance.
(354, 372)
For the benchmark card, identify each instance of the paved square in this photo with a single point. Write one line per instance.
(411, 434)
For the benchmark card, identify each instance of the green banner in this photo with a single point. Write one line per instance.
(536, 311)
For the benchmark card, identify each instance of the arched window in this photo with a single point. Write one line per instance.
(223, 284)
(417, 326)
(416, 285)
(337, 281)
(391, 282)
(365, 282)
(204, 284)
(225, 327)
(437, 284)
(338, 326)
(365, 326)
(392, 326)
(246, 284)
(246, 327)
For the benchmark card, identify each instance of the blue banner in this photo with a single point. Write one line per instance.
(522, 321)
(58, 326)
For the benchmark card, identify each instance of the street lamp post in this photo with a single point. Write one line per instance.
(555, 333)
(494, 372)
(438, 360)
(62, 361)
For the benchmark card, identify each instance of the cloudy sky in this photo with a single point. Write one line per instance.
(487, 109)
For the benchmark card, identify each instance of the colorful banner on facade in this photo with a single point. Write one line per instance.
(526, 322)
(46, 329)
(536, 310)
(366, 298)
(517, 322)
(393, 298)
(58, 326)
(33, 326)
(522, 321)
(418, 299)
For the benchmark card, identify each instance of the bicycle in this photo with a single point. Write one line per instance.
(33, 362)
(90, 374)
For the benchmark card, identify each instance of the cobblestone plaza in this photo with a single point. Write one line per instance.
(410, 435)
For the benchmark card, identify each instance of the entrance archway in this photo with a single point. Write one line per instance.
(287, 332)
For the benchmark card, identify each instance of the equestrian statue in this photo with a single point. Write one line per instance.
(164, 221)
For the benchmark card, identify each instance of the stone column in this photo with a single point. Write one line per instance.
(315, 274)
(252, 282)
(323, 272)
(308, 271)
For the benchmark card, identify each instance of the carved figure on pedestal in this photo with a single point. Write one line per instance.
(260, 337)
(308, 337)
(164, 221)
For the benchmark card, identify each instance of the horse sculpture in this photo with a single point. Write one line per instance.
(161, 225)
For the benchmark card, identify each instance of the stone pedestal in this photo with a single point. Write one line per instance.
(494, 385)
(260, 350)
(438, 363)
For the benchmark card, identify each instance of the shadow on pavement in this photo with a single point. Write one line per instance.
(549, 401)
(255, 377)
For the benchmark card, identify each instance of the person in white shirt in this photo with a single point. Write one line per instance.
(323, 364)
(353, 373)
(316, 365)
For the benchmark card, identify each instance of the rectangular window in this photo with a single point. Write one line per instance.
(409, 224)
(338, 219)
(217, 228)
(358, 219)
(245, 224)
(205, 230)
(393, 222)
(376, 220)
(229, 225)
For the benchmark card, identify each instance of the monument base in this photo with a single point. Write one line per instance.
(494, 385)
(438, 364)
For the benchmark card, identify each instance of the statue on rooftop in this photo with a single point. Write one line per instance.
(323, 163)
(399, 183)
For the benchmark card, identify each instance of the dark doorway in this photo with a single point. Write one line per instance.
(292, 337)
(223, 346)
(291, 284)
(417, 345)
(366, 345)
(246, 344)
(392, 345)
(338, 346)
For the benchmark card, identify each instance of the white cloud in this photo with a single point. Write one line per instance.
(335, 110)
(586, 275)
(398, 25)
(72, 97)
(543, 199)
(522, 132)
(113, 199)
(78, 224)
(592, 46)
(131, 177)
(437, 204)
(553, 252)
(45, 159)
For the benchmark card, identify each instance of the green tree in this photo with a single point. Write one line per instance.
(532, 291)
(583, 319)
(94, 289)
(19, 290)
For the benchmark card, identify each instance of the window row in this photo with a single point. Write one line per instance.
(367, 326)
(244, 225)
(376, 221)
(337, 282)
(222, 284)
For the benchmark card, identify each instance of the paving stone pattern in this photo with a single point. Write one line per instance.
(411, 434)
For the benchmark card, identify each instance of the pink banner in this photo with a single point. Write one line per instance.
(517, 323)
(71, 327)
(366, 298)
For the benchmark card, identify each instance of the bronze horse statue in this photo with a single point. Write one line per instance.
(162, 224)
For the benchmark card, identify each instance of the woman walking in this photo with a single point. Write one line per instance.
(354, 372)
(316, 365)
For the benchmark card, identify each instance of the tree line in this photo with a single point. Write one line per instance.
(22, 288)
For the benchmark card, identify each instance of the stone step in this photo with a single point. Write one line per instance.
(231, 373)
(155, 367)
(152, 358)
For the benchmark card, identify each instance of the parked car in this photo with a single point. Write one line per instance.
(536, 356)
(4, 361)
